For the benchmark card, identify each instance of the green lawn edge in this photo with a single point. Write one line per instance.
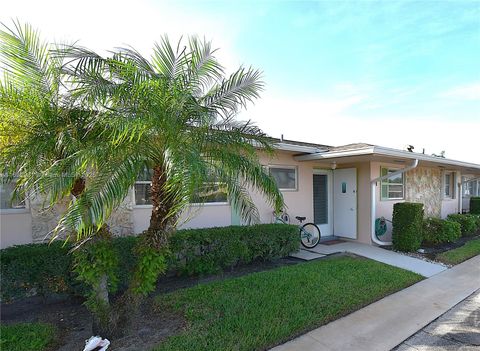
(264, 309)
(460, 254)
(26, 336)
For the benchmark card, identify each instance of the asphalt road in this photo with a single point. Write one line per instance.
(458, 329)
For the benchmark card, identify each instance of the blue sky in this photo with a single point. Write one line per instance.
(385, 72)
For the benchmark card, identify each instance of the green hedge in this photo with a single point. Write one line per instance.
(200, 251)
(407, 226)
(475, 205)
(469, 223)
(45, 269)
(438, 231)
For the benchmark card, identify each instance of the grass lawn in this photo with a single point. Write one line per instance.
(263, 309)
(458, 255)
(26, 336)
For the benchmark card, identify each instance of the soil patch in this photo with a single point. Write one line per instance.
(74, 322)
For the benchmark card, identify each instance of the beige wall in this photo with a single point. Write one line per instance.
(15, 228)
(209, 215)
(298, 202)
(364, 203)
(422, 184)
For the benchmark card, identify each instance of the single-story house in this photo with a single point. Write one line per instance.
(342, 189)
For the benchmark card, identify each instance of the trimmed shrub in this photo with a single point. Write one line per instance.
(203, 251)
(475, 205)
(469, 223)
(407, 226)
(438, 231)
(43, 269)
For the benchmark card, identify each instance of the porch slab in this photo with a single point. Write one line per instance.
(306, 255)
(424, 268)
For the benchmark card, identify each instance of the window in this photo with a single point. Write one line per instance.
(471, 188)
(142, 188)
(6, 202)
(449, 185)
(392, 187)
(211, 192)
(285, 176)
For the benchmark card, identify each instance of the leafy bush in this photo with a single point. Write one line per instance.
(45, 269)
(36, 269)
(201, 251)
(407, 226)
(475, 205)
(469, 223)
(437, 231)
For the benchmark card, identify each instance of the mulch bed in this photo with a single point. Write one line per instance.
(74, 322)
(432, 252)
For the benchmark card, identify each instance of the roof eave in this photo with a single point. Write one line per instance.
(384, 151)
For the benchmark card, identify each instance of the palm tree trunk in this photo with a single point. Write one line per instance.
(102, 321)
(159, 222)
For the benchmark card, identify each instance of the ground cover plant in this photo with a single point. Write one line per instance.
(260, 310)
(437, 231)
(463, 253)
(26, 336)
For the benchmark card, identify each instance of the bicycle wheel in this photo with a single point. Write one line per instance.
(309, 235)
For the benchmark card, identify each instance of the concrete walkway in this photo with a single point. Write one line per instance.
(386, 323)
(427, 269)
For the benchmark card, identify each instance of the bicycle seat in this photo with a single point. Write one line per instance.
(301, 219)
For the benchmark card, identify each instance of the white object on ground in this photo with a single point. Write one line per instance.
(96, 341)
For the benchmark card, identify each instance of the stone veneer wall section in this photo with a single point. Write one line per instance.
(44, 220)
(424, 185)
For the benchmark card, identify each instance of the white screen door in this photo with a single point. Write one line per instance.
(345, 202)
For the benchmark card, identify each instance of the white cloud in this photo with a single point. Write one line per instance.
(464, 92)
(333, 122)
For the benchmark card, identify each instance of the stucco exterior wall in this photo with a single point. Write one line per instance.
(364, 203)
(298, 202)
(15, 228)
(209, 215)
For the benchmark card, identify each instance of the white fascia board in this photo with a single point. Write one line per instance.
(298, 148)
(422, 157)
(335, 154)
(384, 151)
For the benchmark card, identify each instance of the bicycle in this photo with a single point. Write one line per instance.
(309, 232)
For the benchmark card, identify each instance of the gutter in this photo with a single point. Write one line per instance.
(384, 151)
(299, 148)
(373, 184)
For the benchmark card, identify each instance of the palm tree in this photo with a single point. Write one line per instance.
(177, 114)
(75, 124)
(49, 144)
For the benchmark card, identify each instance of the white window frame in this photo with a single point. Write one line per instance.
(452, 185)
(24, 209)
(385, 182)
(134, 195)
(286, 167)
(223, 203)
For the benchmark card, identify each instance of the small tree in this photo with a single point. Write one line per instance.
(87, 128)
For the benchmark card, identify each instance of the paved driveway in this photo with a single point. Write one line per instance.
(458, 329)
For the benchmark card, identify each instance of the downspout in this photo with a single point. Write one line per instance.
(373, 184)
